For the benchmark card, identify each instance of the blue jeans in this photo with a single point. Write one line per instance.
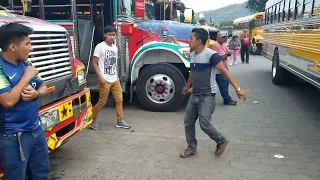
(24, 153)
(202, 107)
(223, 87)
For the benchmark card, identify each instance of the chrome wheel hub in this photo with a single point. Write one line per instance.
(274, 71)
(160, 88)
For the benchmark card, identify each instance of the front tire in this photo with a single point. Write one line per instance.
(279, 74)
(159, 88)
(256, 49)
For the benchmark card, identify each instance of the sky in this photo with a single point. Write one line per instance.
(201, 5)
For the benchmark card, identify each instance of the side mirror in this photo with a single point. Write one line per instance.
(139, 7)
(27, 4)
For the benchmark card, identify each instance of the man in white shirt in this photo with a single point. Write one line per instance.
(104, 64)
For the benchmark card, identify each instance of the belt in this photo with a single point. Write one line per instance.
(20, 146)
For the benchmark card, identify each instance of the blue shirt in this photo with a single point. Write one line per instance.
(203, 69)
(23, 116)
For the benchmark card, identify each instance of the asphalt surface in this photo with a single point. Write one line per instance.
(274, 120)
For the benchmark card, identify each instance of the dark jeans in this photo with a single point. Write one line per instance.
(25, 152)
(224, 87)
(202, 107)
(245, 51)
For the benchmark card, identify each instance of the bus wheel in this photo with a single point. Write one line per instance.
(278, 73)
(159, 88)
(256, 49)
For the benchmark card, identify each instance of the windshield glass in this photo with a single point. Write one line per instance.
(258, 23)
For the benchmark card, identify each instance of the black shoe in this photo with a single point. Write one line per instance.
(247, 62)
(230, 103)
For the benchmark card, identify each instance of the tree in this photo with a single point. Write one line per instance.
(226, 23)
(256, 5)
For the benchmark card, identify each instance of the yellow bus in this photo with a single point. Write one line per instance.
(253, 24)
(292, 40)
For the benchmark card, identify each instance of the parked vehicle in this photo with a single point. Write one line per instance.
(253, 24)
(150, 63)
(67, 109)
(291, 40)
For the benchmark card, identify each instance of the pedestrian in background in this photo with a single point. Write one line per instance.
(245, 46)
(234, 46)
(104, 64)
(203, 64)
(221, 48)
(23, 144)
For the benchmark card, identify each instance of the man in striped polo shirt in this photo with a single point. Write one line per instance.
(204, 63)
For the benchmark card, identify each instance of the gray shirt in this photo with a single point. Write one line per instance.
(204, 71)
(233, 44)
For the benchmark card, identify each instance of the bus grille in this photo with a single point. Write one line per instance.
(50, 55)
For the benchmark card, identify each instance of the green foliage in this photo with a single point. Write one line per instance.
(256, 5)
(226, 23)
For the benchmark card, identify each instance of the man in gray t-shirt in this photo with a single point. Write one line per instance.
(203, 63)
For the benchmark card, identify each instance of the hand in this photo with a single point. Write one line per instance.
(101, 80)
(30, 72)
(241, 94)
(228, 54)
(185, 90)
(29, 94)
(223, 57)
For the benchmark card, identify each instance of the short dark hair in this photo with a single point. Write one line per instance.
(201, 34)
(109, 29)
(13, 33)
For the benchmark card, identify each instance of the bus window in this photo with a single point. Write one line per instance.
(286, 9)
(269, 15)
(298, 10)
(272, 15)
(316, 7)
(57, 10)
(280, 11)
(16, 6)
(276, 10)
(291, 9)
(307, 8)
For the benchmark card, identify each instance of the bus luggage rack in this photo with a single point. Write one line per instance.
(50, 54)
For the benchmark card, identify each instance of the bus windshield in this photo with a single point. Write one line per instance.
(258, 23)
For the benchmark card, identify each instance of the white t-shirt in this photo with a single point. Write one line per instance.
(107, 63)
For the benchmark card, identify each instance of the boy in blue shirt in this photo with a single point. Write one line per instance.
(23, 144)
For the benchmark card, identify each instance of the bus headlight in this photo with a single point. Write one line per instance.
(81, 77)
(49, 119)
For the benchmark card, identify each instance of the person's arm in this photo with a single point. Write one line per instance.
(189, 82)
(223, 70)
(215, 60)
(41, 87)
(10, 96)
(94, 64)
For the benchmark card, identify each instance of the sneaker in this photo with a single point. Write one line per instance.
(230, 103)
(221, 147)
(123, 125)
(234, 63)
(95, 126)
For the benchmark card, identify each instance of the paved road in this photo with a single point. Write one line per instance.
(286, 121)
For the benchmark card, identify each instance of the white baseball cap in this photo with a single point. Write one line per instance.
(222, 34)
